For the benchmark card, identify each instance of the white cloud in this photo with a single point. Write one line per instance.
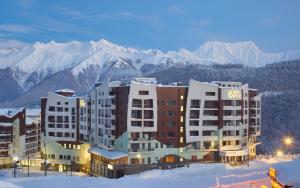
(16, 28)
(68, 11)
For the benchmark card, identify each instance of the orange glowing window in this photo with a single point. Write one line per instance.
(170, 159)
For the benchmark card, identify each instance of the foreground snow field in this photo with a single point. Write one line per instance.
(197, 175)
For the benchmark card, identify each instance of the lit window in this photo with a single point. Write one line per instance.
(181, 119)
(181, 129)
(181, 139)
(181, 150)
(181, 108)
(170, 159)
(181, 97)
(78, 146)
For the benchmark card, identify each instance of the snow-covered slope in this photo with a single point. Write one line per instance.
(31, 63)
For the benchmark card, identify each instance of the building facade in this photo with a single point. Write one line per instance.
(175, 124)
(60, 124)
(19, 136)
(141, 122)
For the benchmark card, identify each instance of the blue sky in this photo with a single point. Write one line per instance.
(274, 25)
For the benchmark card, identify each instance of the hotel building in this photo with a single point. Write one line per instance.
(124, 123)
(19, 136)
(149, 123)
(60, 124)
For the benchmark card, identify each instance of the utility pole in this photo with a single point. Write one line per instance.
(28, 165)
(45, 163)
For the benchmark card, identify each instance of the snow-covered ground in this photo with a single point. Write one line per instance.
(197, 175)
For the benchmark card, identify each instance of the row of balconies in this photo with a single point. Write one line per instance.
(135, 150)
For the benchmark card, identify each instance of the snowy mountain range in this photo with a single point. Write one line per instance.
(39, 67)
(31, 63)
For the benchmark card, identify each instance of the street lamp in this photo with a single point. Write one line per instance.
(28, 132)
(46, 162)
(289, 141)
(138, 157)
(279, 153)
(15, 162)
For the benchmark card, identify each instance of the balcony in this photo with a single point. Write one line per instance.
(141, 150)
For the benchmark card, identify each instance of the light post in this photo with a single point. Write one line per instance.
(289, 141)
(138, 157)
(279, 153)
(46, 162)
(15, 162)
(28, 132)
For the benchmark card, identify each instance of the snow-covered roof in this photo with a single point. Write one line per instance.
(29, 120)
(65, 91)
(33, 111)
(10, 112)
(5, 124)
(107, 154)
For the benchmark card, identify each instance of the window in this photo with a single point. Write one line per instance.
(66, 103)
(210, 112)
(51, 126)
(59, 126)
(170, 145)
(171, 113)
(148, 103)
(194, 114)
(181, 119)
(51, 133)
(148, 114)
(66, 119)
(66, 109)
(227, 113)
(59, 119)
(73, 111)
(143, 92)
(211, 104)
(58, 103)
(136, 114)
(51, 119)
(59, 109)
(181, 97)
(194, 123)
(194, 133)
(171, 123)
(59, 134)
(170, 159)
(194, 157)
(181, 108)
(51, 109)
(170, 134)
(210, 93)
(195, 103)
(137, 103)
(171, 102)
(208, 133)
(148, 124)
(227, 103)
(136, 123)
(210, 123)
